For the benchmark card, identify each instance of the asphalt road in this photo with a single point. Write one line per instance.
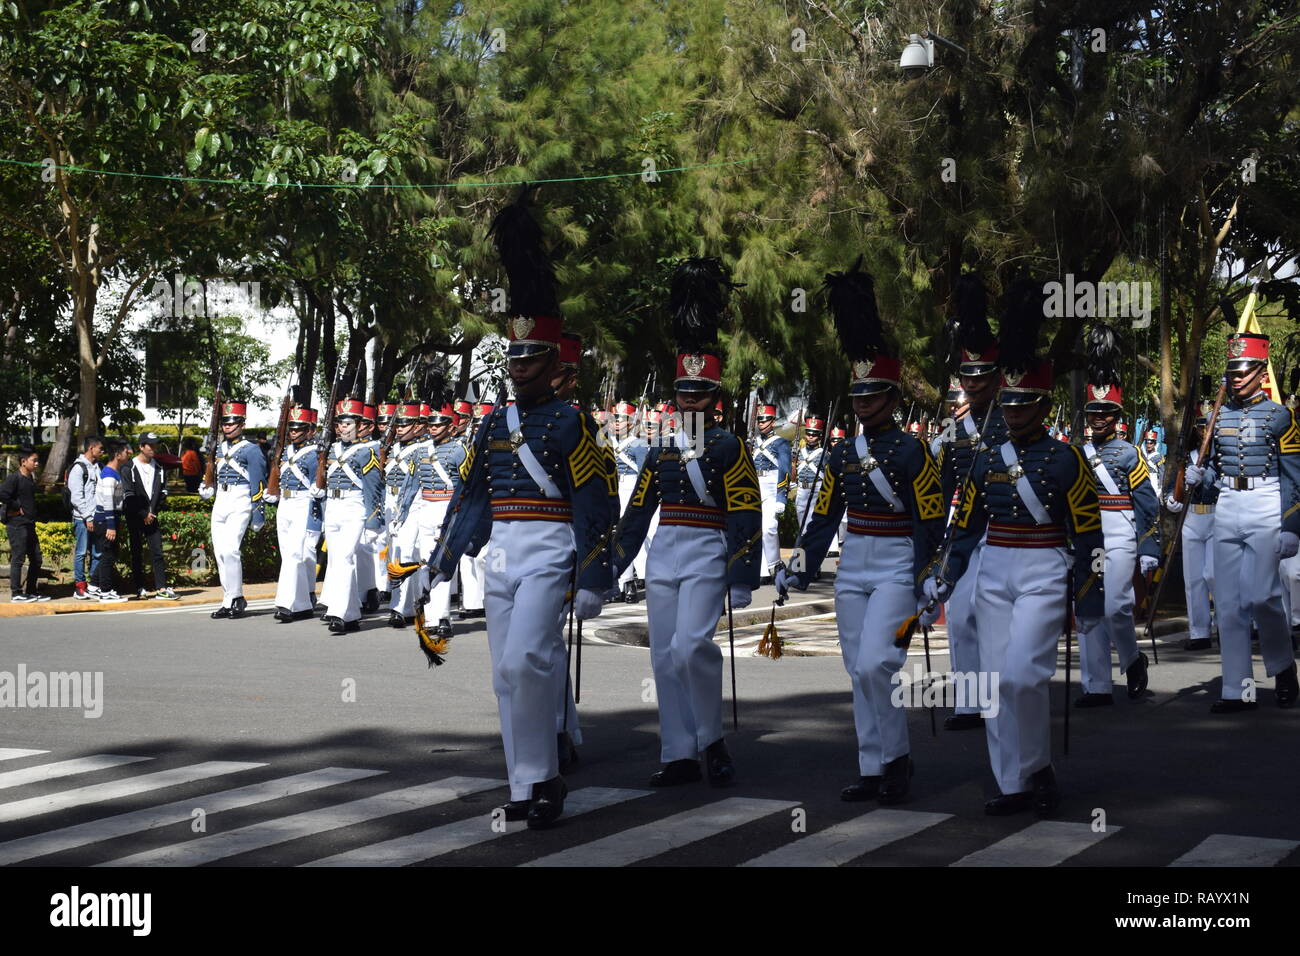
(223, 712)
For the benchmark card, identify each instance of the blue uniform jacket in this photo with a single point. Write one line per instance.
(1258, 438)
(1128, 469)
(362, 459)
(773, 453)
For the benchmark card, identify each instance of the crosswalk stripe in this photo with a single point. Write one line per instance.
(115, 789)
(1045, 843)
(652, 839)
(13, 753)
(64, 768)
(425, 845)
(1223, 849)
(179, 811)
(309, 823)
(838, 844)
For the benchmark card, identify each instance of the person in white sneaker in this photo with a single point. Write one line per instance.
(109, 495)
(146, 496)
(18, 509)
(80, 483)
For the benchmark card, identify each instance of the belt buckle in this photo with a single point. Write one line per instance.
(1241, 483)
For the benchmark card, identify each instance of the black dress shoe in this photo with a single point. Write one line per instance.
(283, 615)
(567, 751)
(444, 628)
(237, 607)
(1232, 706)
(717, 760)
(478, 612)
(896, 780)
(1047, 795)
(1005, 804)
(221, 612)
(516, 810)
(1287, 687)
(963, 722)
(1196, 644)
(548, 803)
(676, 772)
(867, 788)
(303, 615)
(343, 627)
(1137, 677)
(765, 580)
(629, 593)
(328, 620)
(396, 619)
(385, 597)
(1095, 700)
(371, 604)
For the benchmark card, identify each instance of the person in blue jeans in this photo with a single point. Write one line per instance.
(82, 477)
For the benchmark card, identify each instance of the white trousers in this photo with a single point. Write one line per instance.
(1116, 625)
(471, 581)
(525, 589)
(963, 627)
(1289, 569)
(368, 547)
(685, 589)
(381, 557)
(873, 595)
(297, 554)
(231, 511)
(1020, 599)
(1198, 571)
(566, 711)
(345, 519)
(802, 507)
(627, 485)
(1248, 585)
(771, 541)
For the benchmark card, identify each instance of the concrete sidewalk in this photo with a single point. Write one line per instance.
(69, 605)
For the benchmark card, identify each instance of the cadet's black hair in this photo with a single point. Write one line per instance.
(90, 440)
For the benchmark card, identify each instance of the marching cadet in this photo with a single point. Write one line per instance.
(538, 487)
(1154, 460)
(433, 475)
(240, 482)
(1198, 548)
(630, 451)
(772, 461)
(393, 476)
(371, 568)
(1121, 429)
(297, 519)
(472, 567)
(703, 483)
(978, 426)
(1255, 462)
(888, 483)
(353, 505)
(463, 415)
(402, 487)
(808, 474)
(1033, 495)
(1130, 512)
(837, 436)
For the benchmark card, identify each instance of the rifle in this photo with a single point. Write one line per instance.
(325, 437)
(214, 430)
(277, 448)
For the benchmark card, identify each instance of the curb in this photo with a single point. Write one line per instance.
(638, 635)
(255, 592)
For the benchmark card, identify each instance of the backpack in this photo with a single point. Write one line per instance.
(67, 488)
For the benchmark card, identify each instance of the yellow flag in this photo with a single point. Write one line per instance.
(1248, 323)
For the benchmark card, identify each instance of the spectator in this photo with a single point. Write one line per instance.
(81, 496)
(191, 465)
(18, 506)
(146, 493)
(109, 494)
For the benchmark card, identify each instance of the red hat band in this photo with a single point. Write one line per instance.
(1021, 388)
(350, 407)
(408, 411)
(234, 409)
(1245, 348)
(698, 372)
(1103, 397)
(626, 409)
(425, 410)
(298, 415)
(463, 407)
(978, 363)
(868, 378)
(530, 334)
(483, 409)
(387, 409)
(837, 432)
(814, 424)
(570, 350)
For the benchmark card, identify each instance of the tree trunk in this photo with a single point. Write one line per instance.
(84, 294)
(310, 321)
(59, 453)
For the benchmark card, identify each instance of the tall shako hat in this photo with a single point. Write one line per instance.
(1025, 377)
(570, 350)
(976, 347)
(1101, 351)
(851, 297)
(350, 407)
(301, 415)
(233, 411)
(535, 323)
(697, 299)
(1246, 349)
(436, 397)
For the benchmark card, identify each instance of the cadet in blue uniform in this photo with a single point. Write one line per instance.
(240, 482)
(977, 427)
(1129, 522)
(630, 451)
(889, 484)
(393, 476)
(353, 505)
(414, 489)
(1198, 549)
(703, 482)
(1032, 495)
(1255, 462)
(539, 504)
(812, 459)
(772, 462)
(297, 519)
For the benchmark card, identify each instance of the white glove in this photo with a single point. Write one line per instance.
(785, 581)
(1148, 563)
(1086, 624)
(438, 578)
(270, 499)
(207, 492)
(587, 604)
(780, 507)
(1193, 476)
(927, 617)
(317, 493)
(936, 590)
(1287, 545)
(1173, 504)
(740, 596)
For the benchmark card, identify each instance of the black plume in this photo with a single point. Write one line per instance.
(433, 390)
(1207, 385)
(1294, 381)
(851, 297)
(518, 239)
(698, 298)
(1022, 315)
(1102, 354)
(972, 302)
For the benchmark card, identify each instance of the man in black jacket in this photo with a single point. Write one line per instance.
(18, 510)
(146, 494)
